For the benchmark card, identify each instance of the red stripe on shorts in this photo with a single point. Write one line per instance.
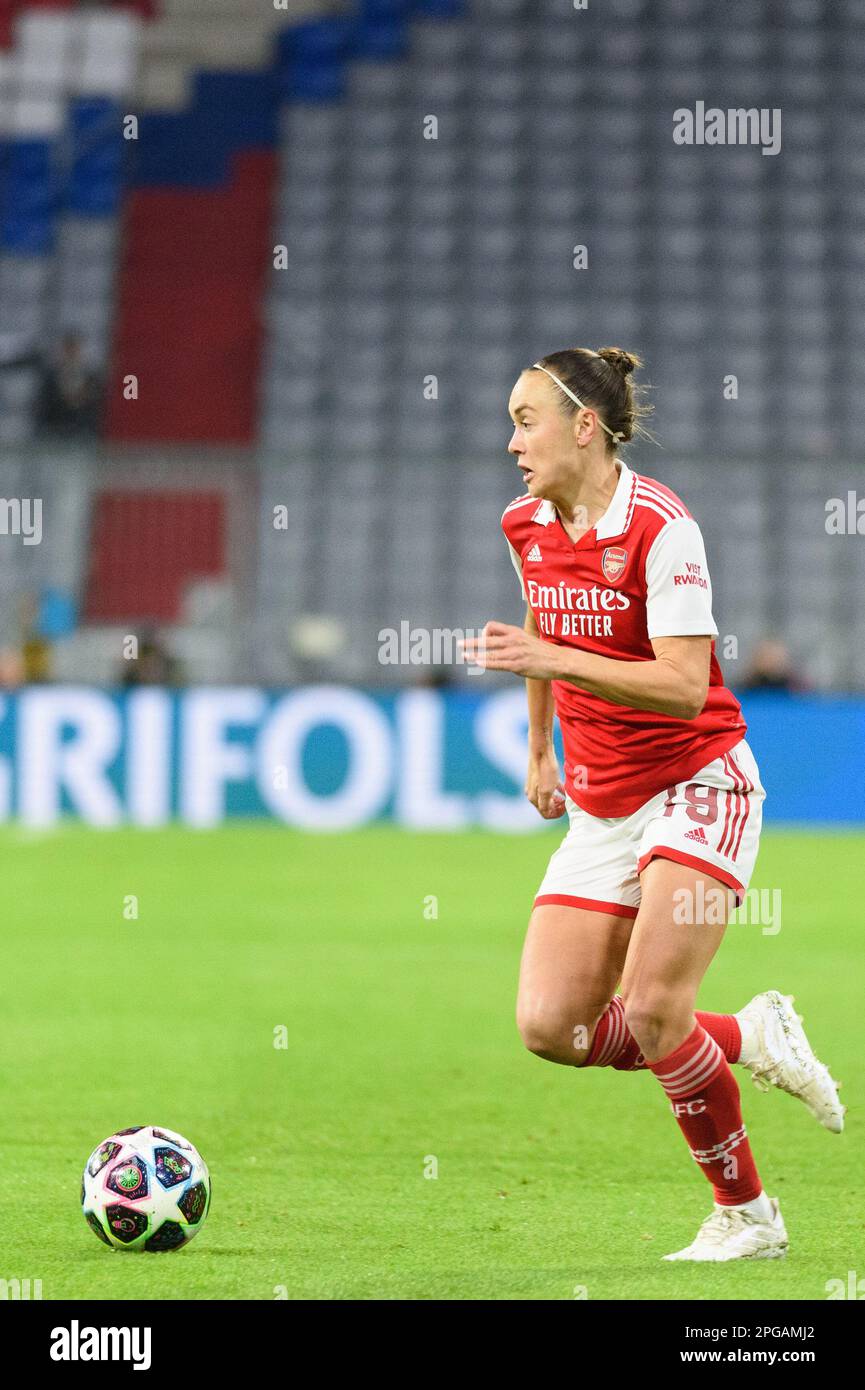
(691, 861)
(749, 787)
(592, 904)
(735, 797)
(729, 800)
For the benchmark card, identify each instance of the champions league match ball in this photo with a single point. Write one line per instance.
(145, 1189)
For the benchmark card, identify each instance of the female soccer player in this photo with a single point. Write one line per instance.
(662, 791)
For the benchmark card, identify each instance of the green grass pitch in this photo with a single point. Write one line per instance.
(400, 1048)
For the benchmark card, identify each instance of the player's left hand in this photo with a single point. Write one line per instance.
(502, 647)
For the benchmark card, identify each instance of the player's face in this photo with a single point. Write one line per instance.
(543, 438)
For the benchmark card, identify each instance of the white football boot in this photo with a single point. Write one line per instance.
(731, 1234)
(783, 1057)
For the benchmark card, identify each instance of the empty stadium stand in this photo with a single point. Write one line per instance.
(431, 167)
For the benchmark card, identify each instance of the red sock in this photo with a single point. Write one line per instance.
(724, 1028)
(615, 1046)
(705, 1100)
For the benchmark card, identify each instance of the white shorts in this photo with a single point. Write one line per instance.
(711, 822)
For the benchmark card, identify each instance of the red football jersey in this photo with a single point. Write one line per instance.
(639, 573)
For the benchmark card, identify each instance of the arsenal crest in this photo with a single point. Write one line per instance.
(613, 562)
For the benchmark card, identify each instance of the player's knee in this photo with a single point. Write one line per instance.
(535, 1032)
(552, 1036)
(648, 1016)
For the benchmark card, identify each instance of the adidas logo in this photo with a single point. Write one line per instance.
(698, 835)
(535, 553)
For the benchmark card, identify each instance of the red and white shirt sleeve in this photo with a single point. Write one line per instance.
(518, 566)
(678, 587)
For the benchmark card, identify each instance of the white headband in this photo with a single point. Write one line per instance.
(615, 435)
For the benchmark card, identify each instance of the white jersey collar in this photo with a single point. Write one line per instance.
(614, 520)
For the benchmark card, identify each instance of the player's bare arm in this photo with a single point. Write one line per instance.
(675, 683)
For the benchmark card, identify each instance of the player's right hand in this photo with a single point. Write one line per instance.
(544, 787)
